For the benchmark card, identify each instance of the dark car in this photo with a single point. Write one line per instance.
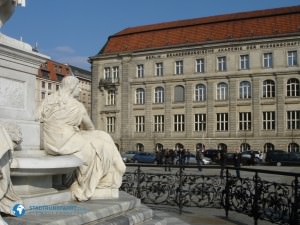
(128, 155)
(213, 154)
(276, 155)
(144, 157)
(250, 157)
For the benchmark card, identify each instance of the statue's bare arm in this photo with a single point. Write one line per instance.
(87, 122)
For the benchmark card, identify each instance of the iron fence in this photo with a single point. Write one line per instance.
(261, 199)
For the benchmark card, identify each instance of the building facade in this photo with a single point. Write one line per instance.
(223, 82)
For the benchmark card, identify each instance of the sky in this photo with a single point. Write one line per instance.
(71, 31)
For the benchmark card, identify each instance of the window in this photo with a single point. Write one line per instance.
(268, 89)
(244, 147)
(245, 121)
(140, 71)
(293, 120)
(222, 91)
(49, 86)
(245, 90)
(179, 123)
(200, 122)
(111, 97)
(115, 74)
(293, 147)
(179, 67)
(200, 93)
(159, 70)
(268, 120)
(139, 147)
(200, 65)
(222, 63)
(159, 95)
(59, 77)
(222, 121)
(159, 121)
(43, 95)
(43, 84)
(292, 58)
(267, 60)
(179, 93)
(293, 88)
(111, 124)
(107, 73)
(140, 96)
(244, 62)
(57, 87)
(139, 124)
(45, 74)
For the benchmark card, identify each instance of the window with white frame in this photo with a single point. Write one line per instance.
(244, 62)
(245, 90)
(269, 120)
(222, 121)
(268, 89)
(115, 74)
(159, 95)
(140, 71)
(140, 124)
(292, 58)
(199, 65)
(200, 93)
(178, 122)
(111, 124)
(200, 122)
(159, 69)
(293, 88)
(222, 63)
(245, 120)
(179, 67)
(111, 97)
(140, 96)
(222, 91)
(159, 123)
(107, 73)
(293, 120)
(268, 60)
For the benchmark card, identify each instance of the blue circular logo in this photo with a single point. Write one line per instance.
(18, 210)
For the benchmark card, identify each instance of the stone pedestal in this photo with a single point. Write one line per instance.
(19, 66)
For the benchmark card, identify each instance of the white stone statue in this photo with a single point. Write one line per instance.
(8, 198)
(68, 129)
(7, 8)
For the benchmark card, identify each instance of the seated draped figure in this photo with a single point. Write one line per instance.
(68, 129)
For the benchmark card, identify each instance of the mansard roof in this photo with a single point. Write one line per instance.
(229, 27)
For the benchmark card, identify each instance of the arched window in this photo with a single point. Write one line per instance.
(140, 96)
(159, 95)
(222, 91)
(244, 147)
(293, 147)
(139, 147)
(268, 147)
(179, 146)
(222, 147)
(293, 88)
(200, 146)
(200, 93)
(159, 147)
(179, 93)
(268, 89)
(245, 90)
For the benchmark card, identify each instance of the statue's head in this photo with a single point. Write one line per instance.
(7, 8)
(70, 85)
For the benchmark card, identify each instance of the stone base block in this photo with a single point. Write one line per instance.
(107, 193)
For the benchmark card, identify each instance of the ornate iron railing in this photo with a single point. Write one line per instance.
(253, 196)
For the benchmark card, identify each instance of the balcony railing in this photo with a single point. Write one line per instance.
(261, 199)
(109, 84)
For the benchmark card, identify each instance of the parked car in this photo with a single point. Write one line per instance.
(250, 157)
(213, 154)
(144, 157)
(193, 161)
(128, 155)
(275, 155)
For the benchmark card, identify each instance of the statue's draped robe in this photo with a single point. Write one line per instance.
(8, 198)
(103, 166)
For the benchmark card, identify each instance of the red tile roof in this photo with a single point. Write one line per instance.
(254, 24)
